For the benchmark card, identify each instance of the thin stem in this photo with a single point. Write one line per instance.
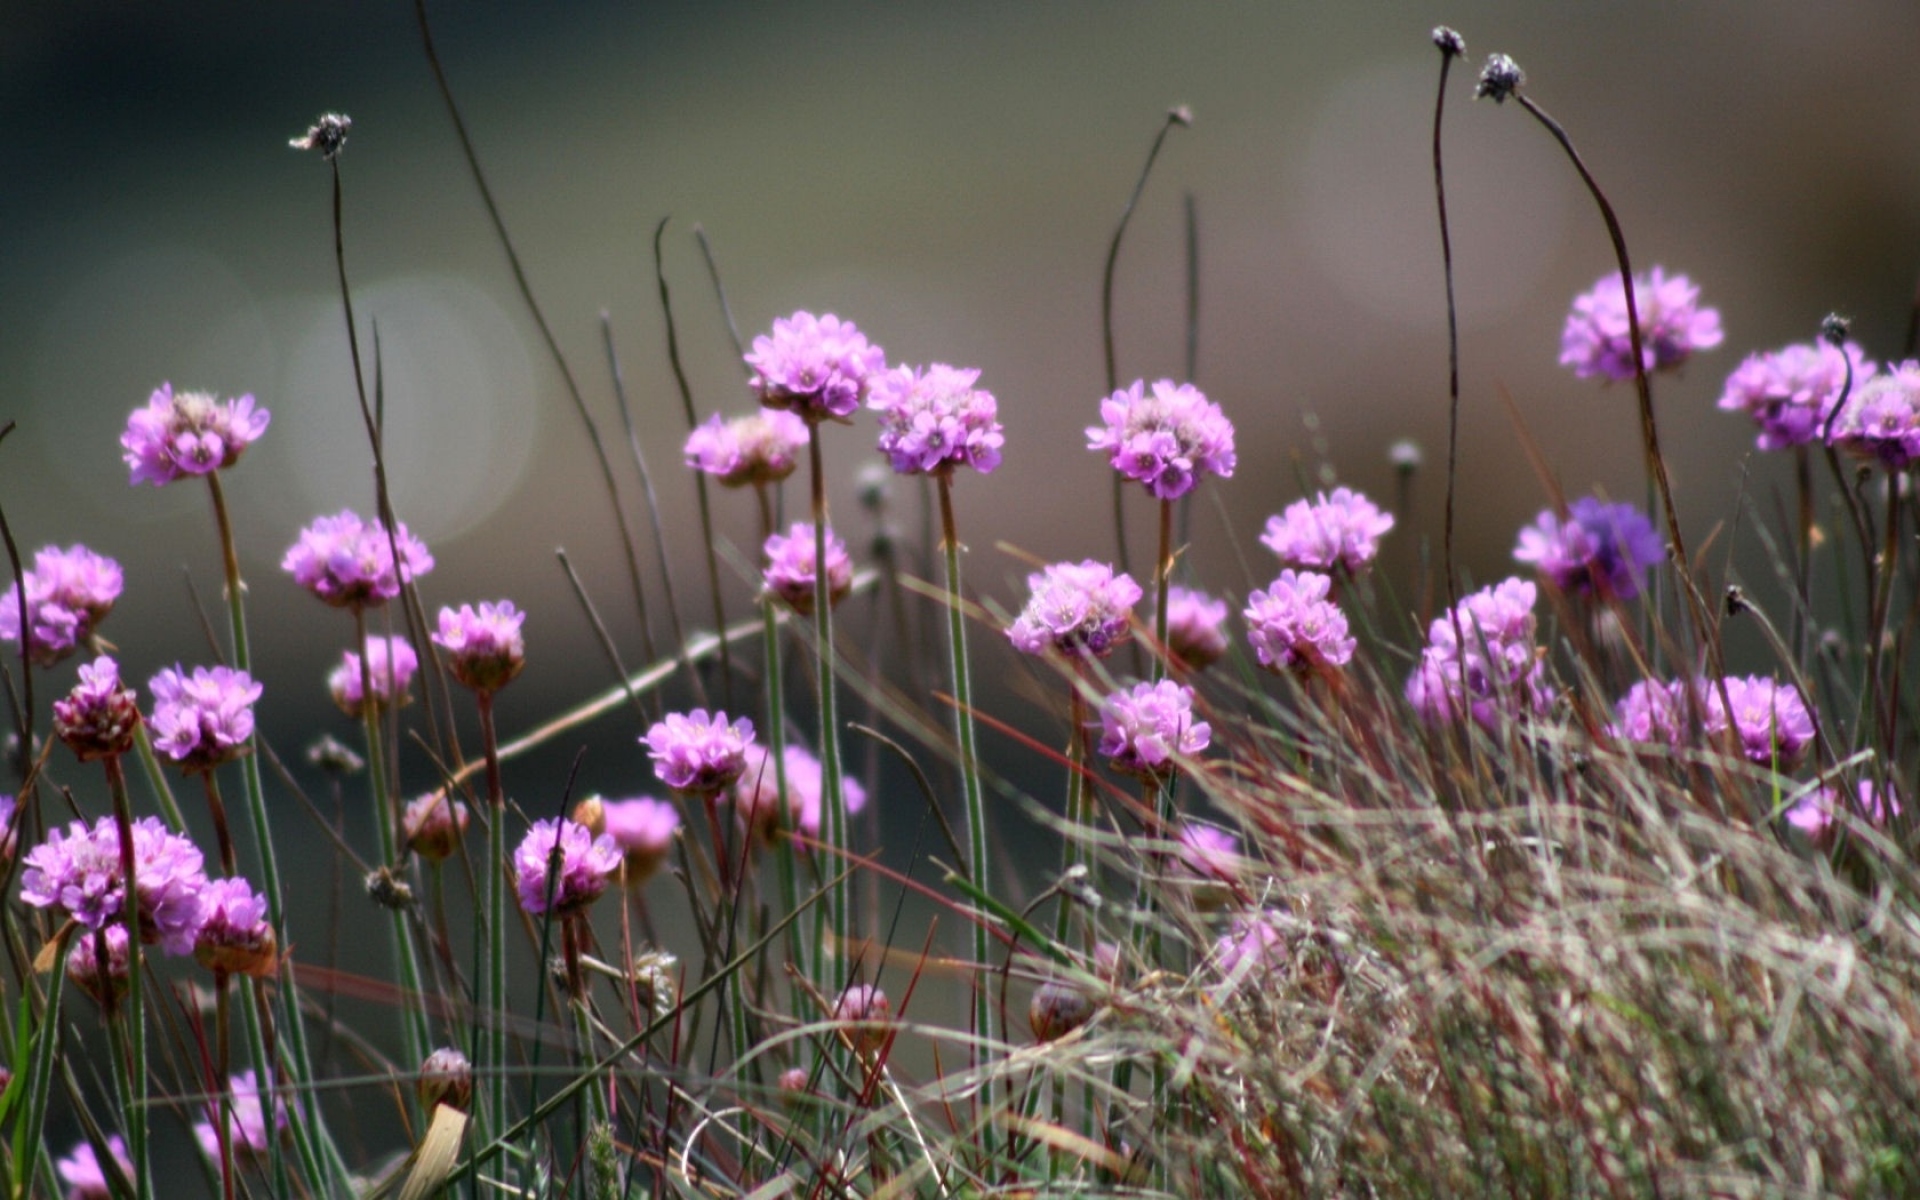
(1450, 49)
(493, 936)
(1163, 582)
(833, 793)
(135, 1013)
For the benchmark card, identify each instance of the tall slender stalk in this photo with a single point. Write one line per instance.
(1451, 46)
(839, 911)
(134, 1017)
(491, 939)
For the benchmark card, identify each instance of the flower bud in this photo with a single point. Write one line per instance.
(446, 1077)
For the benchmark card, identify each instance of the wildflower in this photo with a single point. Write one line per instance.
(1294, 626)
(1790, 392)
(1166, 438)
(817, 367)
(756, 795)
(1210, 852)
(484, 647)
(694, 752)
(1196, 627)
(1882, 421)
(350, 563)
(934, 420)
(1341, 527)
(1597, 341)
(1816, 814)
(790, 567)
(643, 828)
(328, 135)
(433, 825)
(392, 662)
(79, 871)
(1770, 719)
(97, 719)
(1057, 1009)
(106, 977)
(1076, 609)
(9, 837)
(247, 1126)
(191, 433)
(1144, 727)
(586, 863)
(1651, 711)
(794, 1086)
(1598, 547)
(235, 938)
(763, 447)
(1253, 942)
(85, 1176)
(1501, 667)
(68, 593)
(865, 1011)
(204, 719)
(446, 1077)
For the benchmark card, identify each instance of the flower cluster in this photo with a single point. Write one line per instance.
(68, 593)
(1294, 626)
(484, 647)
(1210, 852)
(433, 825)
(643, 828)
(1165, 438)
(1882, 421)
(760, 448)
(1493, 669)
(817, 367)
(99, 965)
(865, 1011)
(1196, 627)
(586, 863)
(1770, 719)
(203, 719)
(1342, 527)
(934, 420)
(390, 660)
(1254, 942)
(1599, 548)
(1597, 339)
(790, 567)
(85, 1175)
(1817, 815)
(98, 718)
(1144, 727)
(695, 752)
(79, 872)
(234, 937)
(351, 563)
(1653, 711)
(756, 796)
(1790, 393)
(188, 433)
(1080, 610)
(247, 1126)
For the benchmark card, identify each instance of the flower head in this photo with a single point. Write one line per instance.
(934, 420)
(1143, 728)
(1165, 438)
(1057, 1009)
(1295, 627)
(1496, 673)
(865, 1010)
(1770, 719)
(79, 871)
(1598, 547)
(1080, 610)
(694, 752)
(1253, 943)
(1196, 627)
(433, 825)
(99, 965)
(586, 864)
(1818, 814)
(818, 367)
(98, 718)
(203, 719)
(762, 447)
(350, 563)
(392, 662)
(446, 1077)
(1210, 852)
(790, 567)
(1597, 340)
(1341, 527)
(327, 134)
(1652, 711)
(68, 593)
(1790, 392)
(247, 1128)
(644, 829)
(189, 433)
(1882, 421)
(235, 938)
(85, 1177)
(484, 647)
(756, 795)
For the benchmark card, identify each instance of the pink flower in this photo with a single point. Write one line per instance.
(1343, 527)
(235, 938)
(1166, 438)
(817, 367)
(1770, 719)
(1817, 815)
(1076, 609)
(105, 978)
(1597, 548)
(763, 447)
(1882, 421)
(79, 872)
(756, 795)
(350, 563)
(484, 647)
(247, 1127)
(1253, 944)
(85, 1177)
(99, 717)
(392, 662)
(1196, 627)
(934, 420)
(644, 829)
(1210, 852)
(864, 1009)
(1144, 727)
(433, 825)
(1652, 711)
(693, 752)
(1790, 392)
(68, 593)
(586, 864)
(790, 567)
(191, 433)
(1295, 627)
(1597, 341)
(204, 719)
(1496, 673)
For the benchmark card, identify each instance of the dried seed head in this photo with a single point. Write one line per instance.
(1450, 43)
(1500, 78)
(328, 135)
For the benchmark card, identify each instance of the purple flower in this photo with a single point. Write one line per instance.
(83, 1174)
(935, 420)
(1652, 711)
(349, 563)
(818, 367)
(1769, 717)
(1294, 626)
(235, 938)
(1816, 814)
(756, 795)
(68, 592)
(433, 824)
(1597, 548)
(644, 829)
(392, 662)
(1253, 943)
(97, 719)
(1790, 392)
(1210, 852)
(247, 1128)
(694, 752)
(1342, 527)
(484, 647)
(1142, 728)
(1882, 421)
(586, 863)
(1597, 341)
(9, 838)
(1165, 439)
(1501, 667)
(1077, 609)
(79, 872)
(761, 448)
(1196, 627)
(204, 719)
(104, 978)
(192, 433)
(790, 567)
(865, 1010)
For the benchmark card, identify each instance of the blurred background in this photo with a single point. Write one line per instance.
(948, 176)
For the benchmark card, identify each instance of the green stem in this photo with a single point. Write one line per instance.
(493, 936)
(832, 791)
(135, 1063)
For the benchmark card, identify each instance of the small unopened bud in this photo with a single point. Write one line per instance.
(328, 135)
(433, 825)
(1499, 79)
(1181, 115)
(1450, 43)
(1835, 328)
(1406, 456)
(864, 1009)
(446, 1077)
(103, 976)
(1057, 1009)
(592, 813)
(335, 757)
(794, 1088)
